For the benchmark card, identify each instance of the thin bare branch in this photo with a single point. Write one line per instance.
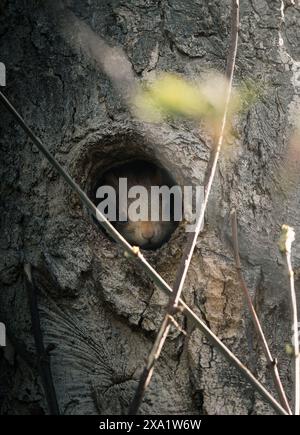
(193, 236)
(288, 236)
(43, 357)
(271, 362)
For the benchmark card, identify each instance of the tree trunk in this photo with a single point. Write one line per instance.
(97, 307)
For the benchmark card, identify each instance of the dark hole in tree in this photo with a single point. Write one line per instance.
(145, 232)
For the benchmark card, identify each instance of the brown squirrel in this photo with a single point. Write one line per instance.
(145, 233)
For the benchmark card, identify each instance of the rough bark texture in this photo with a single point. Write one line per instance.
(100, 311)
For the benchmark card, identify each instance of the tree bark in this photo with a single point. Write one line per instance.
(98, 310)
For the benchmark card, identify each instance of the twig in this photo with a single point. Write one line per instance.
(192, 238)
(151, 272)
(288, 236)
(43, 357)
(271, 362)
